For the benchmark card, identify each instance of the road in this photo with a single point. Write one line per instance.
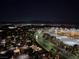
(48, 46)
(67, 40)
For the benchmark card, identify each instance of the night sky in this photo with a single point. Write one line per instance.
(39, 11)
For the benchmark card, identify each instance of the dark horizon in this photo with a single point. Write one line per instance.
(13, 11)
